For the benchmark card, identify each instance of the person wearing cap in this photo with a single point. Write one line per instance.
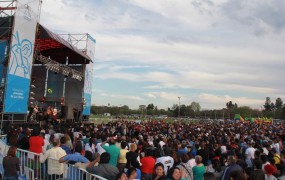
(113, 150)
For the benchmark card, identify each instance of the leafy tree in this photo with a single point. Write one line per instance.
(230, 105)
(278, 103)
(142, 109)
(150, 107)
(267, 105)
(195, 106)
(175, 109)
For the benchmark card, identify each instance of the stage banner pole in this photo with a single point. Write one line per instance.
(21, 56)
(87, 91)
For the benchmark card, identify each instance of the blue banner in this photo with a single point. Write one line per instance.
(19, 73)
(3, 45)
(86, 104)
(17, 95)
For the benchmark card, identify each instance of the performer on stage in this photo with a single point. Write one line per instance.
(54, 116)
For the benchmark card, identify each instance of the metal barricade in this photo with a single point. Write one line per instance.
(70, 172)
(3, 152)
(30, 166)
(32, 169)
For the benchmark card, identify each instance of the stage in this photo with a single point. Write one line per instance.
(45, 74)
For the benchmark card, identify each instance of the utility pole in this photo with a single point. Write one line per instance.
(179, 106)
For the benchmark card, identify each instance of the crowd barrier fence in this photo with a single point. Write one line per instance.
(32, 169)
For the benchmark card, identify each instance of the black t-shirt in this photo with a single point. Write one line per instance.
(11, 165)
(132, 160)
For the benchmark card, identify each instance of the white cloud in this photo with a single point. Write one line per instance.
(151, 95)
(120, 96)
(222, 46)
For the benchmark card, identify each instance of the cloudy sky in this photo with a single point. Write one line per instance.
(154, 51)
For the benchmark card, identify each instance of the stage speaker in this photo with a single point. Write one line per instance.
(64, 111)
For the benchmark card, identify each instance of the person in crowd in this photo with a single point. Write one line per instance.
(249, 153)
(55, 169)
(204, 153)
(182, 149)
(232, 167)
(132, 157)
(198, 170)
(113, 150)
(104, 169)
(269, 171)
(185, 165)
(68, 141)
(90, 146)
(237, 175)
(209, 176)
(264, 161)
(175, 173)
(159, 172)
(46, 142)
(64, 146)
(122, 176)
(122, 158)
(11, 165)
(132, 173)
(51, 139)
(147, 164)
(76, 157)
(166, 160)
(257, 173)
(217, 168)
(23, 141)
(36, 142)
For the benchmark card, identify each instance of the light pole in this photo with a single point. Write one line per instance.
(179, 106)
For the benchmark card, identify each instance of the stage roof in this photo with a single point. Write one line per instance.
(50, 44)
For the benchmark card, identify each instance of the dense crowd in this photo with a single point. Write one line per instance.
(155, 150)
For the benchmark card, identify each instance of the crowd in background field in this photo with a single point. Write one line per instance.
(155, 150)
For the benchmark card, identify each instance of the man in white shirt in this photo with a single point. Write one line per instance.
(55, 169)
(166, 160)
(249, 152)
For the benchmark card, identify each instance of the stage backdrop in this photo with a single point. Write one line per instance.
(88, 76)
(21, 56)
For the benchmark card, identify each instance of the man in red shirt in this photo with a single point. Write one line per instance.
(148, 163)
(36, 142)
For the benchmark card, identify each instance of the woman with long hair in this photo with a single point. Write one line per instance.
(175, 173)
(11, 165)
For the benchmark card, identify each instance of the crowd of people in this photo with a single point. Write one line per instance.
(156, 150)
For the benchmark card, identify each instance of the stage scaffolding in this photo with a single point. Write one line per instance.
(62, 65)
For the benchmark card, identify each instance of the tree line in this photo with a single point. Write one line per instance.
(275, 110)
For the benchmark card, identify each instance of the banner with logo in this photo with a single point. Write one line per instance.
(21, 56)
(88, 76)
(3, 45)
